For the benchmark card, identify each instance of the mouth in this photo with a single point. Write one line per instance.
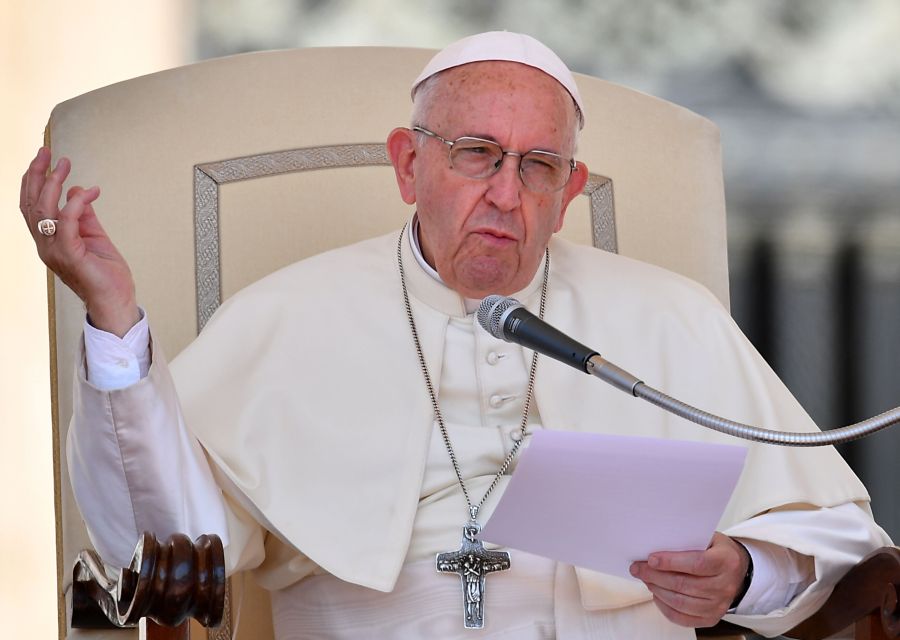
(494, 236)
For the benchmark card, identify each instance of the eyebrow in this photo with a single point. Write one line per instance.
(491, 138)
(483, 136)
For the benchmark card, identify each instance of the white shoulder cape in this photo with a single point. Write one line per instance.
(305, 390)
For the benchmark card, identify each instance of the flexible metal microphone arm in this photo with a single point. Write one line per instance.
(507, 319)
(624, 381)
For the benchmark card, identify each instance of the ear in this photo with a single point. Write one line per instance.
(573, 187)
(402, 151)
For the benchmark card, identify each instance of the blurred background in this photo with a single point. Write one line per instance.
(807, 95)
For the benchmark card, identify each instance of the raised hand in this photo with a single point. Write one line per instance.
(75, 246)
(695, 588)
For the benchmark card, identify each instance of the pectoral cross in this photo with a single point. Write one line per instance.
(472, 562)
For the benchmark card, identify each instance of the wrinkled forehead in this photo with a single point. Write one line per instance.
(502, 89)
(500, 75)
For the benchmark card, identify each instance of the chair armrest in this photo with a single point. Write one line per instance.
(867, 597)
(868, 590)
(167, 583)
(179, 579)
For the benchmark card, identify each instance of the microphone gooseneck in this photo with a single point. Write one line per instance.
(507, 319)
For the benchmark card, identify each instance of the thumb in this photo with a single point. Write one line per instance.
(78, 201)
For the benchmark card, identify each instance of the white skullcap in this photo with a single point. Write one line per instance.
(503, 45)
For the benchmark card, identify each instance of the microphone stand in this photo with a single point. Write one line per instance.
(621, 379)
(507, 319)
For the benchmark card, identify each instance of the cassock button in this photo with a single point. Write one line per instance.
(495, 401)
(493, 357)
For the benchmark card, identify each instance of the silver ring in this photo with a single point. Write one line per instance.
(46, 226)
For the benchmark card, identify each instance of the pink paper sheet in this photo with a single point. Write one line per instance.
(601, 501)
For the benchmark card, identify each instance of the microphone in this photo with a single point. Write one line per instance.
(508, 319)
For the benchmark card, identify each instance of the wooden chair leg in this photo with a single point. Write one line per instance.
(159, 632)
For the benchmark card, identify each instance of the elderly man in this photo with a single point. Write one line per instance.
(339, 499)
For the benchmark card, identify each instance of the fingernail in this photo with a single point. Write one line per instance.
(633, 569)
(653, 561)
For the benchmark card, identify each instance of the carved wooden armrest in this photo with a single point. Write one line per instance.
(179, 579)
(168, 583)
(866, 597)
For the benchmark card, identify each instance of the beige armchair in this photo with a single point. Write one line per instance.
(218, 173)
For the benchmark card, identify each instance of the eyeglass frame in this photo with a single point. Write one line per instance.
(573, 165)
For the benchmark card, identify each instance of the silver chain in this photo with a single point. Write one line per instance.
(518, 436)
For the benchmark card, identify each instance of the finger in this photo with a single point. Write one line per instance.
(33, 181)
(88, 222)
(684, 619)
(673, 581)
(697, 563)
(689, 605)
(47, 205)
(69, 215)
(724, 557)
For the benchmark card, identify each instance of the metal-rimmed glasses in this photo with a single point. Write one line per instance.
(541, 171)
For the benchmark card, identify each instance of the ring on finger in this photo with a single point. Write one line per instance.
(46, 226)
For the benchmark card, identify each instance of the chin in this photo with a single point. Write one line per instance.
(486, 275)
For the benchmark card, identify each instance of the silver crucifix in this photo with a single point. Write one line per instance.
(472, 562)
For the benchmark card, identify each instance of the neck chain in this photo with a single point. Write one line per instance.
(472, 562)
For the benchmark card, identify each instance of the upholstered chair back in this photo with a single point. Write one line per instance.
(217, 173)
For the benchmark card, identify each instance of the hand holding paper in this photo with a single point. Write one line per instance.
(695, 588)
(602, 502)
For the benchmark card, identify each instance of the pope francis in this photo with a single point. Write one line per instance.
(339, 499)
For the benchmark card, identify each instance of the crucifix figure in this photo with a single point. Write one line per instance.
(472, 562)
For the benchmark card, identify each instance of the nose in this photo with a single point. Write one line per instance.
(504, 187)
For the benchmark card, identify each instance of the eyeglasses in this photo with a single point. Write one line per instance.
(540, 171)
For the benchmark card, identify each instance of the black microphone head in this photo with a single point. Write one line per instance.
(491, 312)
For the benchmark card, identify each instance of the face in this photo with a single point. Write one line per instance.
(486, 236)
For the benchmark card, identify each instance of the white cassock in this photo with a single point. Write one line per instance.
(306, 394)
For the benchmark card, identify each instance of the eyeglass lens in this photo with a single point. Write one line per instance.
(540, 171)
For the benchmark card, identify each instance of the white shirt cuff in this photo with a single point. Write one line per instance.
(113, 362)
(779, 574)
